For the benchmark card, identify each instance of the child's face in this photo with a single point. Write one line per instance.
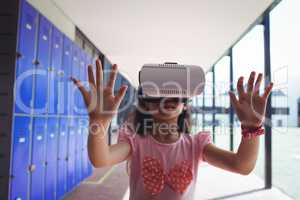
(165, 109)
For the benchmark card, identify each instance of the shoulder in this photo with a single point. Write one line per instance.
(201, 138)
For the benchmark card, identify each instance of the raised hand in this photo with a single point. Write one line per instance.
(250, 106)
(100, 100)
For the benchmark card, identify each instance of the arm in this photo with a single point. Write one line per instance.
(242, 162)
(250, 109)
(102, 106)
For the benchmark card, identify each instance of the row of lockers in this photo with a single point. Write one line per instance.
(50, 157)
(46, 61)
(50, 128)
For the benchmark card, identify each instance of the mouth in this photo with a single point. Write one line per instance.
(167, 109)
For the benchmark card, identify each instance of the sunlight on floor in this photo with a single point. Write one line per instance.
(126, 195)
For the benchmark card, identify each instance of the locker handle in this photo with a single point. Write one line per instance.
(61, 73)
(36, 62)
(19, 55)
(50, 69)
(32, 168)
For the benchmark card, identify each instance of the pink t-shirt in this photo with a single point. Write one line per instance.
(163, 171)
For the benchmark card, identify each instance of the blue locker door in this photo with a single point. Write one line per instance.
(84, 78)
(26, 48)
(78, 151)
(54, 70)
(41, 77)
(51, 158)
(84, 146)
(71, 155)
(80, 77)
(75, 73)
(62, 155)
(38, 158)
(66, 68)
(20, 159)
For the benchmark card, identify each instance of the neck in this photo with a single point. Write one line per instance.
(165, 130)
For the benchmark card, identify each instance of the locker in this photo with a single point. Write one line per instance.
(74, 92)
(78, 151)
(85, 149)
(26, 50)
(66, 70)
(41, 75)
(118, 82)
(107, 68)
(20, 158)
(51, 158)
(54, 70)
(37, 167)
(84, 79)
(71, 155)
(62, 156)
(90, 168)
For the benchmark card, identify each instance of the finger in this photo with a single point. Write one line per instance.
(240, 87)
(112, 77)
(120, 94)
(250, 82)
(99, 74)
(258, 83)
(233, 99)
(268, 90)
(91, 76)
(81, 88)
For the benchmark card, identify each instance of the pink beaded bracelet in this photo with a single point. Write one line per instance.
(252, 133)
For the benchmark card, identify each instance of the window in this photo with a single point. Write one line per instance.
(285, 42)
(248, 56)
(222, 103)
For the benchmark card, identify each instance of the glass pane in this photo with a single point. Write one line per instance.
(197, 103)
(208, 97)
(222, 102)
(248, 56)
(285, 42)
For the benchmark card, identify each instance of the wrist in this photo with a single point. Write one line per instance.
(103, 121)
(250, 126)
(252, 132)
(99, 123)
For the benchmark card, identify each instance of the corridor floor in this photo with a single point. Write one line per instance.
(213, 183)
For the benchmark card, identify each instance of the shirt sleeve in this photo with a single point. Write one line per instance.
(201, 140)
(125, 134)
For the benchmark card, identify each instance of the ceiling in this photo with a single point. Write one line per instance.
(134, 32)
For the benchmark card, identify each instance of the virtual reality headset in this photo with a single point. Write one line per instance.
(170, 80)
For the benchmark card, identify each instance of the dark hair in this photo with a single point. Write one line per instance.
(139, 119)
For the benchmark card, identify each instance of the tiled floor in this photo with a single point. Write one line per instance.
(213, 183)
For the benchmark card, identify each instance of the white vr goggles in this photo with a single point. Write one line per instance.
(171, 80)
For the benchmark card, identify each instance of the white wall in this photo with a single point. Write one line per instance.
(55, 15)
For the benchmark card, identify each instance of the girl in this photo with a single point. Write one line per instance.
(163, 156)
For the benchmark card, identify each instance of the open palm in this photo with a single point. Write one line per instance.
(250, 106)
(100, 99)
